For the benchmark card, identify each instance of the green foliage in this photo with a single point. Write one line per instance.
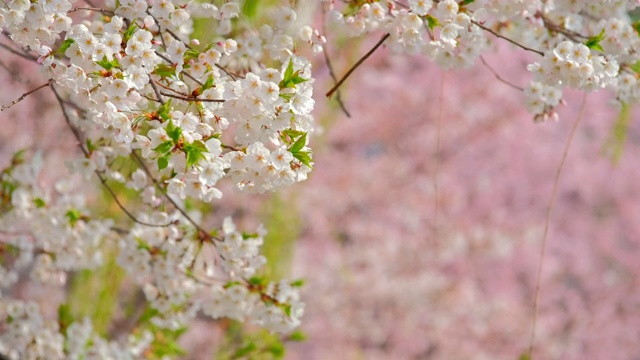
(73, 215)
(195, 152)
(283, 228)
(298, 336)
(594, 41)
(241, 344)
(39, 203)
(291, 78)
(164, 70)
(65, 318)
(525, 356)
(432, 22)
(94, 293)
(130, 31)
(64, 46)
(614, 144)
(163, 162)
(250, 8)
(164, 147)
(108, 64)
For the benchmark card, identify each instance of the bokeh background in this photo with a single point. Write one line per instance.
(388, 276)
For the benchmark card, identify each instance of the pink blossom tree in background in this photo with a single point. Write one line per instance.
(441, 221)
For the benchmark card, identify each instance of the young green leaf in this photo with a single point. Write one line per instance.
(299, 144)
(164, 148)
(594, 41)
(304, 157)
(163, 162)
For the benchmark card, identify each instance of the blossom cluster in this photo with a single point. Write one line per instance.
(585, 45)
(135, 87)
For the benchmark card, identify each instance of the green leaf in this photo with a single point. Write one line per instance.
(635, 67)
(164, 70)
(299, 144)
(636, 27)
(108, 64)
(148, 314)
(65, 317)
(298, 336)
(191, 54)
(129, 33)
(257, 281)
(525, 356)
(194, 152)
(288, 73)
(163, 162)
(39, 203)
(164, 148)
(276, 349)
(245, 350)
(297, 283)
(163, 111)
(73, 215)
(90, 146)
(231, 283)
(250, 8)
(304, 157)
(293, 133)
(594, 41)
(64, 46)
(173, 131)
(467, 2)
(432, 22)
(614, 144)
(207, 84)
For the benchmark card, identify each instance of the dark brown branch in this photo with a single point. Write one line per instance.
(357, 64)
(5, 107)
(157, 91)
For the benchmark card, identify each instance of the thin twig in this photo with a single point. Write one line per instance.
(543, 247)
(495, 73)
(16, 52)
(183, 71)
(193, 99)
(229, 73)
(327, 60)
(335, 81)
(571, 35)
(437, 155)
(108, 12)
(201, 232)
(103, 180)
(157, 91)
(507, 39)
(357, 64)
(5, 107)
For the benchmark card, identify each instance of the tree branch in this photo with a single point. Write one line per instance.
(357, 64)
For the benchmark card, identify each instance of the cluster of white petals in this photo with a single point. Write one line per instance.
(134, 85)
(586, 45)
